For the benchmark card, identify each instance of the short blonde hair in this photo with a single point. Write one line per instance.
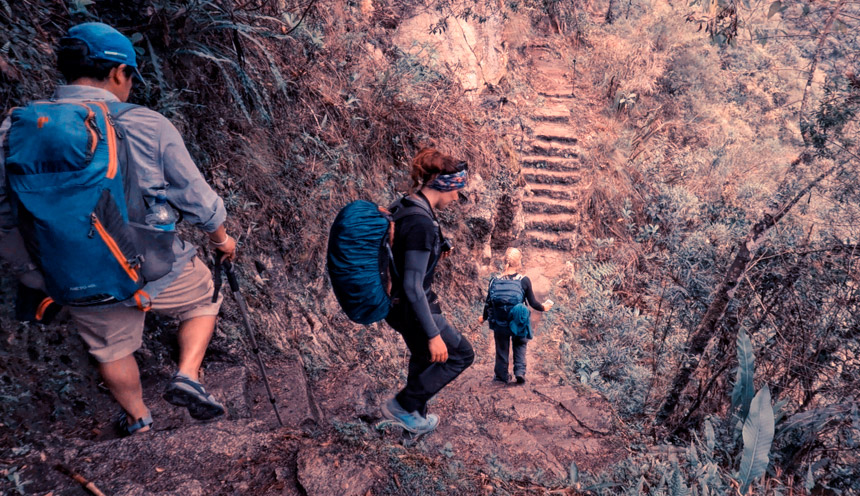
(513, 258)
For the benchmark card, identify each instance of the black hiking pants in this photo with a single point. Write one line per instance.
(427, 378)
(503, 346)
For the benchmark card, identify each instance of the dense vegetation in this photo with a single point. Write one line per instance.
(715, 296)
(725, 258)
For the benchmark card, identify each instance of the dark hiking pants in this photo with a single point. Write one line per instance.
(503, 345)
(426, 378)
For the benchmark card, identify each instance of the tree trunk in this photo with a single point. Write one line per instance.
(812, 67)
(707, 326)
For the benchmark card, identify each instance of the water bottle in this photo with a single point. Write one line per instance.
(160, 214)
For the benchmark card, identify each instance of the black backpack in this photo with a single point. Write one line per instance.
(502, 297)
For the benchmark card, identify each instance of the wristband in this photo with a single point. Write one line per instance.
(222, 243)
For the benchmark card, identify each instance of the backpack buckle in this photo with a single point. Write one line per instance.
(136, 262)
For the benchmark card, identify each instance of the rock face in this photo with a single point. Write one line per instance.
(184, 456)
(324, 471)
(474, 51)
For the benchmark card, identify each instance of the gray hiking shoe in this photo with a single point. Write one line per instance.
(410, 421)
(183, 391)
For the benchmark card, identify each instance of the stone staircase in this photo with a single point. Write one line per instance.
(550, 158)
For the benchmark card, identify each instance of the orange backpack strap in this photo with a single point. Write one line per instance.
(40, 311)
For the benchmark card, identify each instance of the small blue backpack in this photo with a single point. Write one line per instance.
(79, 205)
(502, 297)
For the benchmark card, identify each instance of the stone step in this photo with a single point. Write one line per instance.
(550, 117)
(542, 53)
(557, 132)
(558, 94)
(555, 149)
(551, 241)
(559, 139)
(551, 110)
(541, 176)
(551, 163)
(558, 223)
(553, 191)
(559, 87)
(544, 206)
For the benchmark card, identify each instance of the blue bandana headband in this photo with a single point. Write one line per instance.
(449, 182)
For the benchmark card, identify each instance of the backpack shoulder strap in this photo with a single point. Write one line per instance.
(135, 203)
(117, 109)
(399, 210)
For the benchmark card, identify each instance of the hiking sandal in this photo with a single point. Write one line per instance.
(182, 391)
(124, 429)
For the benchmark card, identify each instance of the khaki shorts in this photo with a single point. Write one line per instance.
(116, 331)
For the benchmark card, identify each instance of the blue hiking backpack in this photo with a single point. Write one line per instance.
(359, 260)
(79, 203)
(502, 297)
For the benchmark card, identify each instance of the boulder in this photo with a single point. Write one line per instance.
(475, 51)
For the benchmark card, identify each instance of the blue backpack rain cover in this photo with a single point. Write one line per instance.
(502, 297)
(359, 254)
(64, 172)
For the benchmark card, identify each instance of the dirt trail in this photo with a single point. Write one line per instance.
(544, 425)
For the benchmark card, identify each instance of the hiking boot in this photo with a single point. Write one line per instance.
(183, 391)
(521, 379)
(410, 421)
(499, 379)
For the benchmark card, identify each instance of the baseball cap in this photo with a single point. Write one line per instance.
(106, 43)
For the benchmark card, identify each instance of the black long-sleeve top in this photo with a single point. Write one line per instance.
(527, 290)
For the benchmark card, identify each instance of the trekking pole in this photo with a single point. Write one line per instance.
(243, 308)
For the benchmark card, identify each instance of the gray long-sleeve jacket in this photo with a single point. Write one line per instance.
(163, 164)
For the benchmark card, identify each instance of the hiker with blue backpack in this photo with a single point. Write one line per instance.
(506, 311)
(439, 353)
(90, 188)
(381, 263)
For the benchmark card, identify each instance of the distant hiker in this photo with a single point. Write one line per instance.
(439, 353)
(509, 317)
(88, 188)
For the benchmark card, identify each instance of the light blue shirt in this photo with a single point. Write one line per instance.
(163, 164)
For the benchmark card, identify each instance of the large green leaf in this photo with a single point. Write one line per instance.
(758, 437)
(710, 437)
(743, 392)
(573, 475)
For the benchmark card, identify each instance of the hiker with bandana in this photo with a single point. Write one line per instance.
(439, 353)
